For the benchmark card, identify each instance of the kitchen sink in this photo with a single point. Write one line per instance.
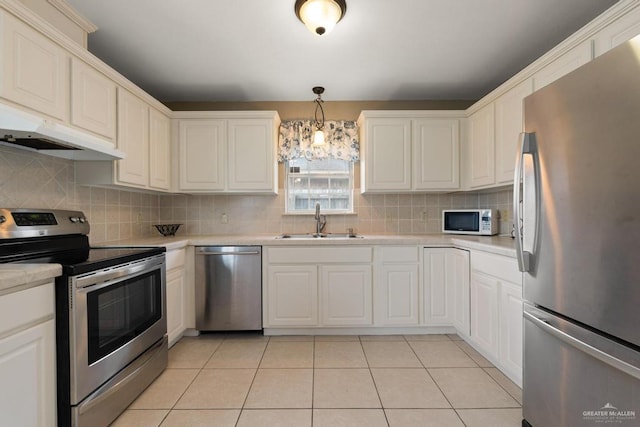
(320, 236)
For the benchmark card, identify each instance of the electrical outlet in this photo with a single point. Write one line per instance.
(424, 216)
(224, 219)
(139, 217)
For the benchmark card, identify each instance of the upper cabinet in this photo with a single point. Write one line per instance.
(159, 150)
(404, 151)
(93, 100)
(227, 152)
(35, 70)
(482, 147)
(624, 28)
(564, 64)
(133, 139)
(509, 121)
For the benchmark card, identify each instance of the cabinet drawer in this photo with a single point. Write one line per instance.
(333, 254)
(499, 266)
(23, 307)
(175, 258)
(396, 254)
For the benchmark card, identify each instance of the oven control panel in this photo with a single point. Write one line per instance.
(17, 223)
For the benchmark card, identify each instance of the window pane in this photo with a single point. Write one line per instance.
(328, 182)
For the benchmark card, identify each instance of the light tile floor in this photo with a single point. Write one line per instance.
(248, 380)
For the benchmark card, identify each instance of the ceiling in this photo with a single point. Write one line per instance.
(384, 50)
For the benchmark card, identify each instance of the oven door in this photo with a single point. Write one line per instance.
(116, 314)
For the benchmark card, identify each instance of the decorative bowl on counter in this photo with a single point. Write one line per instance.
(167, 229)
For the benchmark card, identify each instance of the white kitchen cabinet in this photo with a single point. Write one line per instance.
(93, 100)
(461, 292)
(481, 130)
(27, 357)
(438, 280)
(511, 326)
(624, 28)
(385, 162)
(35, 70)
(202, 154)
(291, 295)
(175, 294)
(328, 286)
(484, 313)
(159, 150)
(409, 150)
(397, 294)
(346, 295)
(436, 154)
(133, 139)
(509, 123)
(227, 152)
(251, 153)
(568, 62)
(496, 311)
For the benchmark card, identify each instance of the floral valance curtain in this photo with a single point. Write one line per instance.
(341, 141)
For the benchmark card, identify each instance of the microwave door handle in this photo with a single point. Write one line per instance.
(526, 145)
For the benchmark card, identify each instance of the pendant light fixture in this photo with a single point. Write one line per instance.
(320, 16)
(318, 135)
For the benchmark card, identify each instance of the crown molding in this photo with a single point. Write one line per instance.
(67, 10)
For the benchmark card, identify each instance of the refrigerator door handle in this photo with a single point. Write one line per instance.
(612, 361)
(526, 145)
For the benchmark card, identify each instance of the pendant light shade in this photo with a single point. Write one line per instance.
(320, 16)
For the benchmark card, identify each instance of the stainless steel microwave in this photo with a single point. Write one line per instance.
(483, 222)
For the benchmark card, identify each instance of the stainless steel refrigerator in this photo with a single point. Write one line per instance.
(578, 244)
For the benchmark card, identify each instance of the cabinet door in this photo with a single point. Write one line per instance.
(159, 150)
(386, 161)
(346, 295)
(292, 295)
(202, 154)
(35, 70)
(175, 305)
(460, 283)
(28, 372)
(509, 125)
(568, 62)
(398, 293)
(133, 139)
(251, 147)
(438, 276)
(484, 312)
(436, 154)
(93, 100)
(625, 28)
(481, 147)
(511, 328)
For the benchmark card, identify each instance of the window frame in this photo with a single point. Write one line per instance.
(321, 174)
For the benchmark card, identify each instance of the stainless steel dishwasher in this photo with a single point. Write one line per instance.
(228, 288)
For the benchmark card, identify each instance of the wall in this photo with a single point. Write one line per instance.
(33, 180)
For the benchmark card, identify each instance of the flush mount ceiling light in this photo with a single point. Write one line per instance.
(320, 16)
(318, 135)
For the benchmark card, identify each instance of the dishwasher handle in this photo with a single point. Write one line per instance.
(212, 251)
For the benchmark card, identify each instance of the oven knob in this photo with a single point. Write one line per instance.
(83, 219)
(74, 219)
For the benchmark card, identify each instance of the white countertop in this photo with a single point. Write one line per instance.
(501, 245)
(20, 276)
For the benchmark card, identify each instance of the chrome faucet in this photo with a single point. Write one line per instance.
(321, 220)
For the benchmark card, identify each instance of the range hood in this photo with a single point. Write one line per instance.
(24, 130)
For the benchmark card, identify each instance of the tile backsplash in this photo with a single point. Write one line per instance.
(37, 181)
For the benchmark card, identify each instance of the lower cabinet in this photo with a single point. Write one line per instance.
(175, 294)
(315, 287)
(397, 286)
(27, 357)
(496, 311)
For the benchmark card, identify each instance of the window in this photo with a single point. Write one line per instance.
(325, 181)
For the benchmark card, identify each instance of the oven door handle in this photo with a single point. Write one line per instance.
(101, 279)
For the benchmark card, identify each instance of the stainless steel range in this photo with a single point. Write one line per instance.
(111, 329)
